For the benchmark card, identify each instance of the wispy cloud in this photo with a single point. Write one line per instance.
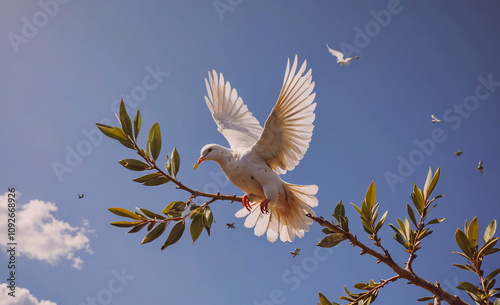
(42, 236)
(23, 297)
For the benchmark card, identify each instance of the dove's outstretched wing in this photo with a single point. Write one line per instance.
(240, 128)
(288, 129)
(339, 55)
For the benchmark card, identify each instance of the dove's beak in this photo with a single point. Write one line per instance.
(200, 160)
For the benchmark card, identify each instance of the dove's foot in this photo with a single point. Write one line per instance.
(246, 202)
(263, 206)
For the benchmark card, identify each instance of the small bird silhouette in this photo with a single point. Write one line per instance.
(296, 252)
(80, 196)
(459, 153)
(340, 57)
(434, 119)
(480, 166)
(230, 225)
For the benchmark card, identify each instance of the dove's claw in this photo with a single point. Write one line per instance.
(246, 203)
(263, 206)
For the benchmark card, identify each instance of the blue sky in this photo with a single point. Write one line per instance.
(64, 68)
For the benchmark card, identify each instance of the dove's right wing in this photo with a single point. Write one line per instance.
(337, 54)
(236, 123)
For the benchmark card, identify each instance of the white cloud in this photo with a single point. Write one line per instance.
(22, 297)
(43, 237)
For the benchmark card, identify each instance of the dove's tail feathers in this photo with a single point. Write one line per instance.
(287, 218)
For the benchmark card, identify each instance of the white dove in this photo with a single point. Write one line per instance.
(435, 119)
(259, 155)
(340, 57)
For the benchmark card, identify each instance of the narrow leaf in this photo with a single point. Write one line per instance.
(137, 124)
(492, 274)
(331, 240)
(425, 299)
(490, 231)
(158, 181)
(437, 220)
(371, 195)
(469, 287)
(196, 226)
(472, 233)
(208, 219)
(125, 224)
(411, 215)
(133, 164)
(418, 196)
(151, 214)
(147, 177)
(124, 213)
(463, 243)
(381, 222)
(176, 162)
(125, 120)
(155, 141)
(323, 300)
(137, 228)
(433, 183)
(175, 234)
(155, 233)
(174, 208)
(428, 183)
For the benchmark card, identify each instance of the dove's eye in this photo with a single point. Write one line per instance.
(209, 150)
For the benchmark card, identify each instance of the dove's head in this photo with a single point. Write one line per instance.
(212, 152)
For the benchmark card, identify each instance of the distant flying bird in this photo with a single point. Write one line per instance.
(80, 196)
(230, 225)
(340, 57)
(480, 166)
(259, 155)
(459, 153)
(296, 252)
(434, 119)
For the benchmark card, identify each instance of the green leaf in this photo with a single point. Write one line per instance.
(151, 214)
(125, 120)
(147, 177)
(437, 220)
(469, 287)
(175, 234)
(155, 233)
(125, 224)
(490, 231)
(323, 300)
(425, 299)
(465, 267)
(208, 219)
(339, 210)
(463, 243)
(472, 232)
(137, 124)
(137, 228)
(168, 167)
(175, 208)
(357, 209)
(487, 247)
(154, 141)
(418, 197)
(427, 183)
(433, 183)
(411, 215)
(196, 226)
(371, 195)
(361, 286)
(124, 213)
(331, 240)
(176, 162)
(381, 222)
(492, 274)
(134, 165)
(158, 181)
(115, 133)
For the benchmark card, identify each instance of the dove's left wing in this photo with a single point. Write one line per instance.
(337, 54)
(240, 128)
(288, 129)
